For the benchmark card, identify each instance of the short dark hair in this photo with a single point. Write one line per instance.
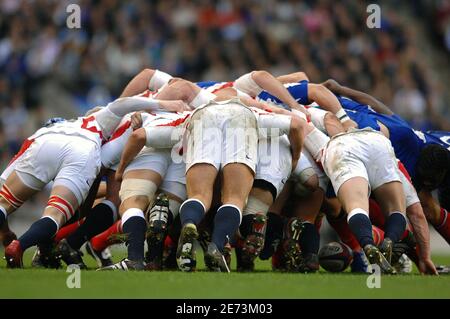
(435, 157)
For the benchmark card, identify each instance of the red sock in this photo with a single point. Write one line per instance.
(103, 240)
(341, 227)
(376, 215)
(443, 228)
(378, 235)
(68, 230)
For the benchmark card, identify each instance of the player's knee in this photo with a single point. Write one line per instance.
(60, 209)
(8, 200)
(139, 201)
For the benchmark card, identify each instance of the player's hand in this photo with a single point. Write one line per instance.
(136, 120)
(302, 109)
(349, 124)
(426, 266)
(174, 106)
(332, 85)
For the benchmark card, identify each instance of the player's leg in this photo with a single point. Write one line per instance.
(137, 191)
(391, 199)
(200, 180)
(60, 207)
(203, 158)
(14, 192)
(99, 218)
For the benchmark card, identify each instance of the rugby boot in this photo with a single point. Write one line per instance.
(125, 265)
(215, 260)
(252, 245)
(375, 256)
(291, 246)
(158, 221)
(186, 259)
(69, 255)
(14, 255)
(386, 249)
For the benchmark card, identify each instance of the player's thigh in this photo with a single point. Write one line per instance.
(391, 197)
(200, 180)
(354, 193)
(237, 183)
(344, 165)
(381, 163)
(274, 162)
(80, 166)
(14, 192)
(138, 189)
(62, 204)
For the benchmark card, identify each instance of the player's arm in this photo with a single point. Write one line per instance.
(293, 77)
(255, 82)
(329, 102)
(358, 96)
(132, 148)
(146, 79)
(422, 236)
(125, 105)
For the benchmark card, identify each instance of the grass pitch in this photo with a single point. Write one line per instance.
(43, 283)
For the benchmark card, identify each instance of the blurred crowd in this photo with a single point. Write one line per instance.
(214, 40)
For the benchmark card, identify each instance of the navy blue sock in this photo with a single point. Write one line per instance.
(191, 211)
(226, 223)
(99, 219)
(274, 235)
(361, 227)
(309, 239)
(395, 227)
(2, 216)
(135, 227)
(41, 231)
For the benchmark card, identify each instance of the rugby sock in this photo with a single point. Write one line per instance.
(99, 219)
(309, 239)
(67, 230)
(340, 225)
(378, 235)
(3, 216)
(361, 227)
(395, 226)
(107, 238)
(135, 226)
(376, 215)
(226, 223)
(444, 226)
(39, 232)
(274, 235)
(246, 225)
(192, 211)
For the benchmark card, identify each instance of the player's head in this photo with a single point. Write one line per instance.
(433, 165)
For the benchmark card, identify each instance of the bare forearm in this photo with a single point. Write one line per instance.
(139, 83)
(364, 98)
(421, 232)
(131, 149)
(293, 77)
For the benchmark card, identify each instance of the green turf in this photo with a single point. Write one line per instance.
(38, 283)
